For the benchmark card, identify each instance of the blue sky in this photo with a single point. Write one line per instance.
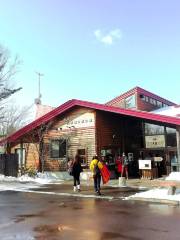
(93, 50)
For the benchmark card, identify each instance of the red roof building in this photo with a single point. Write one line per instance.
(140, 99)
(90, 128)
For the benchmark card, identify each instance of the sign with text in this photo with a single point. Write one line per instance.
(144, 164)
(157, 141)
(80, 121)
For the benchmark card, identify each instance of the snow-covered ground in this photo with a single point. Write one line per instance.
(25, 182)
(161, 193)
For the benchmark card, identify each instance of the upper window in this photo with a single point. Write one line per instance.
(130, 102)
(144, 98)
(58, 148)
(159, 104)
(152, 101)
(152, 129)
(165, 105)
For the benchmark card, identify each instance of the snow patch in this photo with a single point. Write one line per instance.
(158, 193)
(174, 176)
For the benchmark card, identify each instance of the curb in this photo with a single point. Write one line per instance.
(155, 200)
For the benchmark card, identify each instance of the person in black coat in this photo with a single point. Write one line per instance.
(76, 170)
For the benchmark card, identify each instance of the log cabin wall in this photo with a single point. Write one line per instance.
(88, 130)
(78, 129)
(109, 131)
(31, 154)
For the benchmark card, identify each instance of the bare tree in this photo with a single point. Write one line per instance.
(10, 116)
(37, 138)
(8, 69)
(12, 119)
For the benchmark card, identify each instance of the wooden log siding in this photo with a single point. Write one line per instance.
(109, 131)
(31, 154)
(77, 138)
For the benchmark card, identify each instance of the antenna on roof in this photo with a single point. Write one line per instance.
(38, 99)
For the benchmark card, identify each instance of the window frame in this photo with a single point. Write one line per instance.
(59, 154)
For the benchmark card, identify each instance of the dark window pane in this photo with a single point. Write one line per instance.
(58, 148)
(55, 149)
(152, 129)
(62, 148)
(171, 137)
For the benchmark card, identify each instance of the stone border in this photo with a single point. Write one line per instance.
(155, 200)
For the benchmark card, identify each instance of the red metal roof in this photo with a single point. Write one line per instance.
(74, 102)
(140, 91)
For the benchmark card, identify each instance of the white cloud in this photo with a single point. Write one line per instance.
(108, 38)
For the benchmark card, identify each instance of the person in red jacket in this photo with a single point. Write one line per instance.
(118, 166)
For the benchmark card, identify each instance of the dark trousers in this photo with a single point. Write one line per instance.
(76, 179)
(97, 182)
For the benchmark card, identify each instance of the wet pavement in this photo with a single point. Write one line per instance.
(41, 214)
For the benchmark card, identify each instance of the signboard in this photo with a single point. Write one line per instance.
(157, 141)
(158, 159)
(80, 121)
(144, 164)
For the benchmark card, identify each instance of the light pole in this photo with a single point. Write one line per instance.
(39, 86)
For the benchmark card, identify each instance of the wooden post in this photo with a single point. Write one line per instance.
(178, 146)
(21, 157)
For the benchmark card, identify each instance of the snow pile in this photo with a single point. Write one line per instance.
(25, 182)
(160, 193)
(174, 176)
(42, 178)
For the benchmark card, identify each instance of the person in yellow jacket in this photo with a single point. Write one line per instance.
(95, 167)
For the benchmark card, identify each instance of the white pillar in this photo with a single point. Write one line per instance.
(178, 146)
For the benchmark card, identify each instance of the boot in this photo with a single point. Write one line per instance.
(78, 187)
(74, 188)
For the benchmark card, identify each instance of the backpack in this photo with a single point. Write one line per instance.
(96, 170)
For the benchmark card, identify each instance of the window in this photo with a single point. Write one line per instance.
(58, 148)
(152, 129)
(165, 105)
(152, 101)
(147, 99)
(142, 97)
(82, 154)
(159, 104)
(130, 102)
(171, 137)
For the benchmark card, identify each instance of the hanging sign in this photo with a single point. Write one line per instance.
(157, 141)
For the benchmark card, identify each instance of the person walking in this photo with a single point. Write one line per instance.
(76, 170)
(95, 167)
(125, 163)
(118, 166)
